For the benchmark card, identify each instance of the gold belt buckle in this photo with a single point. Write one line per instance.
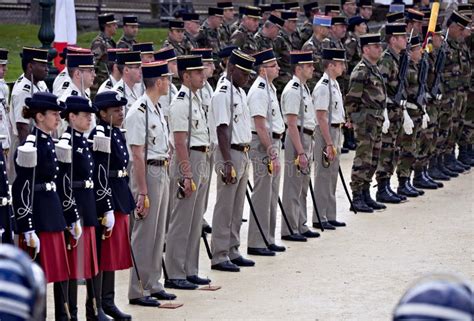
(246, 148)
(166, 162)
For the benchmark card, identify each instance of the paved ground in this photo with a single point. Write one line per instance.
(355, 273)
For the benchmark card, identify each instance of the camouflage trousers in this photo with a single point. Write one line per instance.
(408, 145)
(368, 134)
(445, 125)
(467, 135)
(426, 147)
(459, 113)
(390, 145)
(101, 75)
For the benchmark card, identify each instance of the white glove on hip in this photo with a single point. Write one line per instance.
(109, 220)
(407, 123)
(76, 230)
(425, 121)
(386, 122)
(32, 240)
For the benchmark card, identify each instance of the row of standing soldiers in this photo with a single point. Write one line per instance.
(409, 136)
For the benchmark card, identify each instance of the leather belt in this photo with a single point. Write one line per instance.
(306, 131)
(240, 148)
(45, 187)
(274, 135)
(157, 162)
(4, 201)
(87, 184)
(203, 149)
(337, 125)
(118, 174)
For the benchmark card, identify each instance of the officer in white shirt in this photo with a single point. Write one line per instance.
(300, 117)
(129, 65)
(62, 80)
(114, 73)
(232, 118)
(330, 118)
(147, 137)
(5, 125)
(265, 150)
(169, 55)
(190, 164)
(34, 62)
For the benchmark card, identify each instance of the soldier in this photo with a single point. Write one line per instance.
(414, 21)
(112, 67)
(408, 142)
(130, 32)
(265, 150)
(209, 35)
(190, 164)
(5, 125)
(176, 37)
(306, 31)
(357, 27)
(451, 85)
(40, 220)
(81, 72)
(392, 17)
(168, 54)
(62, 80)
(365, 9)
(277, 8)
(111, 159)
(99, 46)
(349, 8)
(229, 25)
(266, 36)
(321, 26)
(389, 65)
(332, 10)
(266, 10)
(147, 136)
(146, 51)
(191, 29)
(243, 37)
(232, 119)
(283, 45)
(129, 64)
(365, 104)
(300, 117)
(330, 118)
(337, 33)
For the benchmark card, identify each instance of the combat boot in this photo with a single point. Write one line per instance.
(451, 164)
(410, 186)
(434, 172)
(358, 203)
(383, 193)
(420, 181)
(444, 169)
(404, 189)
(464, 158)
(430, 179)
(371, 202)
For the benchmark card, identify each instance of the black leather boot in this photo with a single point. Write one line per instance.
(434, 172)
(464, 158)
(72, 295)
(430, 179)
(442, 167)
(420, 181)
(451, 164)
(61, 304)
(413, 188)
(384, 194)
(108, 298)
(94, 310)
(404, 188)
(359, 204)
(371, 202)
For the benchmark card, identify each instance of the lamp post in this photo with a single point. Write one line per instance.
(46, 36)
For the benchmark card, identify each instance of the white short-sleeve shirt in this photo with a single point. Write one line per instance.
(291, 103)
(321, 99)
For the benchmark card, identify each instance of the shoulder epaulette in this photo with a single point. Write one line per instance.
(108, 84)
(66, 84)
(181, 95)
(223, 89)
(27, 87)
(325, 81)
(261, 85)
(74, 93)
(120, 88)
(142, 107)
(295, 85)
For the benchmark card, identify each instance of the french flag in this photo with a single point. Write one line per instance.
(65, 28)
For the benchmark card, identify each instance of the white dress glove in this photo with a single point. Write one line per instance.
(425, 121)
(32, 240)
(386, 122)
(407, 123)
(76, 230)
(109, 220)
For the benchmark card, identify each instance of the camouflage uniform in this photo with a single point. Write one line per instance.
(244, 39)
(226, 31)
(466, 74)
(315, 46)
(209, 38)
(452, 69)
(263, 42)
(365, 102)
(353, 55)
(408, 143)
(283, 46)
(99, 47)
(190, 40)
(467, 137)
(306, 31)
(181, 48)
(126, 43)
(389, 68)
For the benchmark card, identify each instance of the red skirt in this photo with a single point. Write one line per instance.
(82, 256)
(115, 253)
(52, 255)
